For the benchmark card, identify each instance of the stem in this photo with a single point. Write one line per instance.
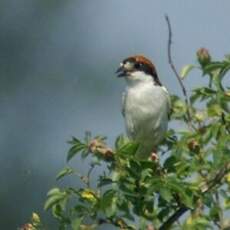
(176, 215)
(175, 70)
(88, 175)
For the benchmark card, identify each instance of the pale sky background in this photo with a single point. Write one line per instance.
(57, 64)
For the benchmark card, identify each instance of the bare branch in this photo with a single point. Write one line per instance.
(174, 68)
(214, 181)
(176, 215)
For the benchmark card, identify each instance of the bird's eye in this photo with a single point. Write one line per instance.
(137, 65)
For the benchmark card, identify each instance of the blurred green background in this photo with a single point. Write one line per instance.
(57, 64)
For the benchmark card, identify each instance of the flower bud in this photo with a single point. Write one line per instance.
(35, 218)
(154, 157)
(98, 146)
(27, 227)
(200, 116)
(203, 56)
(193, 145)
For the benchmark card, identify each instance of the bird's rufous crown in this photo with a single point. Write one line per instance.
(149, 66)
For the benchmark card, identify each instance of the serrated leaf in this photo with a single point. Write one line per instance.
(55, 196)
(225, 70)
(120, 141)
(53, 191)
(52, 200)
(146, 173)
(178, 107)
(214, 110)
(213, 66)
(73, 141)
(108, 202)
(180, 189)
(76, 148)
(57, 211)
(202, 93)
(128, 149)
(166, 194)
(185, 71)
(64, 172)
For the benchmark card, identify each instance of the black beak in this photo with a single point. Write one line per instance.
(121, 72)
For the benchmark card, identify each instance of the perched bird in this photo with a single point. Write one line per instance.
(145, 104)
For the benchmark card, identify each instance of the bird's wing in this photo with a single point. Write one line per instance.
(168, 100)
(123, 103)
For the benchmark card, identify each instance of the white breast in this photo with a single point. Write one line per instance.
(145, 108)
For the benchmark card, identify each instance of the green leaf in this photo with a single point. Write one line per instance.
(227, 203)
(105, 181)
(57, 211)
(214, 110)
(213, 66)
(128, 149)
(207, 134)
(169, 163)
(55, 196)
(53, 191)
(66, 171)
(108, 202)
(163, 213)
(202, 93)
(214, 213)
(76, 223)
(52, 200)
(178, 107)
(185, 71)
(166, 194)
(202, 222)
(77, 147)
(124, 206)
(224, 70)
(180, 188)
(120, 141)
(146, 173)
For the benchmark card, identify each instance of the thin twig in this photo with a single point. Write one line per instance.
(217, 178)
(88, 174)
(210, 185)
(175, 70)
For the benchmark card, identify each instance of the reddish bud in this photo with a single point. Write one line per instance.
(97, 146)
(154, 156)
(194, 146)
(203, 56)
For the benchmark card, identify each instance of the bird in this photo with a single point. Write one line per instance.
(145, 104)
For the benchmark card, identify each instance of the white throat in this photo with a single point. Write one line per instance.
(138, 78)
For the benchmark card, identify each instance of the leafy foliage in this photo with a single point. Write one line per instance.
(192, 175)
